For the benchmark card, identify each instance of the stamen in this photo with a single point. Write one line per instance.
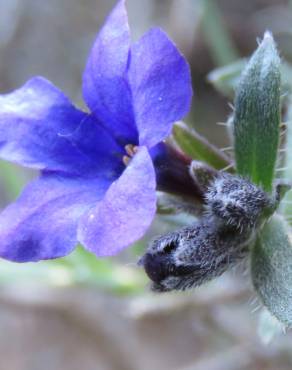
(126, 160)
(131, 150)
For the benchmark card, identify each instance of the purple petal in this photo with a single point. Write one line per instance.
(105, 85)
(161, 86)
(42, 223)
(125, 212)
(40, 128)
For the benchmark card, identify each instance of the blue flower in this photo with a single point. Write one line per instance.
(85, 193)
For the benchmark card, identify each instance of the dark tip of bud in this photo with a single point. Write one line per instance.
(156, 266)
(172, 172)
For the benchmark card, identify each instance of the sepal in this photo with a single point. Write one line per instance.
(271, 269)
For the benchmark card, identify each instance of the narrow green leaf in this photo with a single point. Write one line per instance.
(217, 37)
(257, 115)
(226, 79)
(197, 147)
(271, 268)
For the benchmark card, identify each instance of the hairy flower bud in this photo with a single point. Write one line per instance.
(235, 209)
(237, 202)
(193, 255)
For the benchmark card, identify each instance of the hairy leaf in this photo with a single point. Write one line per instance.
(271, 267)
(257, 115)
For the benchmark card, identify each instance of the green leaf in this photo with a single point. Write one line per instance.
(257, 115)
(226, 79)
(197, 147)
(271, 269)
(221, 46)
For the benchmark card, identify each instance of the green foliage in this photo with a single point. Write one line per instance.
(257, 115)
(226, 79)
(198, 147)
(271, 268)
(216, 35)
(256, 129)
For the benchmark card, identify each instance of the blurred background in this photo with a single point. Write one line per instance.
(80, 312)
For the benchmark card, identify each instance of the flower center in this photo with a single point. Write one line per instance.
(131, 150)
